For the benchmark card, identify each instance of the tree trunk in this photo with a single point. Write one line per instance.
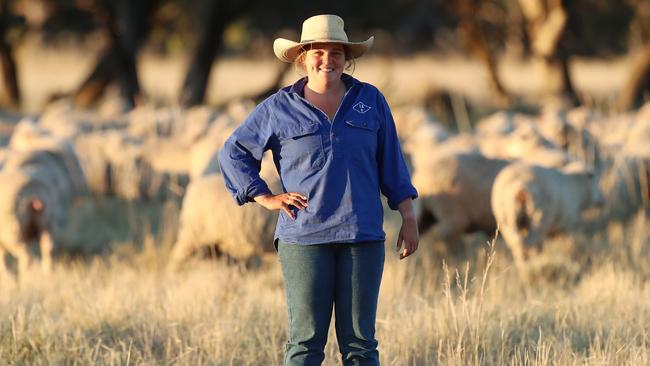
(126, 24)
(637, 87)
(6, 58)
(475, 42)
(212, 21)
(546, 23)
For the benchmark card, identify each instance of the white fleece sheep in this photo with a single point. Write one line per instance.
(178, 144)
(182, 125)
(204, 152)
(149, 122)
(612, 132)
(6, 129)
(30, 137)
(501, 123)
(640, 130)
(63, 119)
(36, 194)
(626, 185)
(524, 142)
(4, 152)
(114, 164)
(210, 216)
(568, 130)
(410, 120)
(205, 149)
(530, 203)
(454, 195)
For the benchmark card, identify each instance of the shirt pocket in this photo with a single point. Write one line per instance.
(302, 146)
(361, 138)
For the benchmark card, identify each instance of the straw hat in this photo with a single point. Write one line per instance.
(317, 29)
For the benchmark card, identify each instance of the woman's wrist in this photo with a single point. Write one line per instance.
(262, 197)
(406, 210)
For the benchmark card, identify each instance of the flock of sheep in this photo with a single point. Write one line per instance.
(532, 176)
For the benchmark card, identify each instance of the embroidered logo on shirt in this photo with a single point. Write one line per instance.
(361, 108)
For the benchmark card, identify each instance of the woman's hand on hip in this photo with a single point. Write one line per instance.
(283, 202)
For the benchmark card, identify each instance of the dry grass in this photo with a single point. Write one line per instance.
(122, 308)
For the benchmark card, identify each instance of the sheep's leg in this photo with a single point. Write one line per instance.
(4, 271)
(516, 247)
(426, 220)
(182, 252)
(532, 243)
(47, 245)
(520, 255)
(450, 236)
(428, 236)
(24, 258)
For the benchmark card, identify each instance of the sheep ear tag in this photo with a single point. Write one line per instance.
(361, 107)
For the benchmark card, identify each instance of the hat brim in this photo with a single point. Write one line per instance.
(287, 50)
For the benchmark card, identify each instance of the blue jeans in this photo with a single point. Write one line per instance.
(319, 277)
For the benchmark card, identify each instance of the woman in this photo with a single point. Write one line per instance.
(335, 147)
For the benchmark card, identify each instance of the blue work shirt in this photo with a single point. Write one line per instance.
(340, 166)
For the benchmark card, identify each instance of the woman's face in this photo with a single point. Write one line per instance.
(324, 63)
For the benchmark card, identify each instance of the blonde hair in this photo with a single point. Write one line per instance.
(299, 62)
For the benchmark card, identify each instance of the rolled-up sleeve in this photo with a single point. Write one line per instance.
(394, 179)
(241, 157)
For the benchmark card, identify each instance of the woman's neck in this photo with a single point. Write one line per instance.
(326, 97)
(325, 89)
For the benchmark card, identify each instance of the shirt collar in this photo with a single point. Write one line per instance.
(299, 86)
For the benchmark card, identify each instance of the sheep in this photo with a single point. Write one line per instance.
(184, 126)
(168, 160)
(568, 131)
(57, 168)
(178, 144)
(540, 140)
(640, 130)
(501, 123)
(627, 183)
(454, 189)
(203, 153)
(196, 122)
(36, 194)
(523, 142)
(114, 163)
(210, 216)
(147, 122)
(6, 129)
(410, 122)
(611, 133)
(204, 150)
(4, 152)
(29, 213)
(63, 120)
(28, 136)
(531, 203)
